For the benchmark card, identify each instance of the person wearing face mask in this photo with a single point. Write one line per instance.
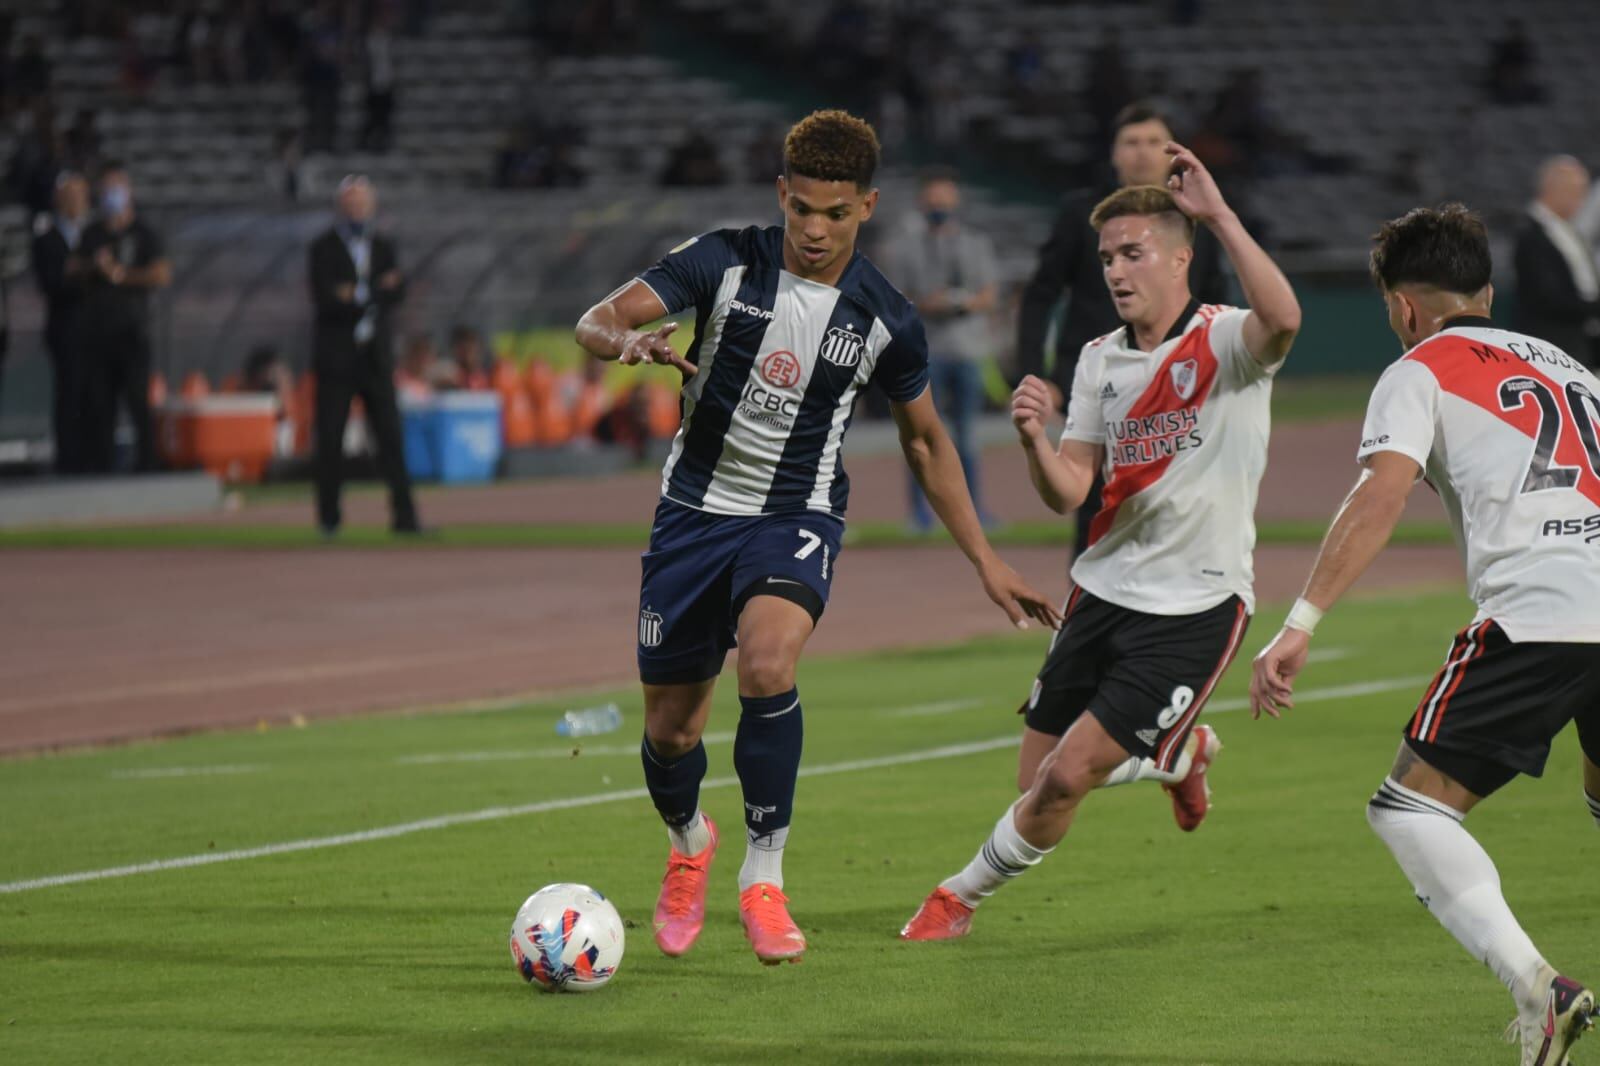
(1069, 265)
(356, 284)
(61, 274)
(949, 271)
(125, 260)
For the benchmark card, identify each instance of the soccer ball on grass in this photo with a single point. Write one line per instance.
(567, 938)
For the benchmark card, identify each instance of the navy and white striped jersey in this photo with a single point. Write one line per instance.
(781, 360)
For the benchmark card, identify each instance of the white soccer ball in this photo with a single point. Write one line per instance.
(567, 938)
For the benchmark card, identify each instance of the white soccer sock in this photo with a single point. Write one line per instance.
(763, 859)
(1594, 805)
(1003, 857)
(693, 838)
(1456, 880)
(1137, 769)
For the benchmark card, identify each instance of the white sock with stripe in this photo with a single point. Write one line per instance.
(1003, 857)
(1594, 805)
(1138, 769)
(1457, 881)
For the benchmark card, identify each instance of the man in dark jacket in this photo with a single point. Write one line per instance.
(1069, 264)
(1558, 285)
(61, 274)
(355, 285)
(125, 262)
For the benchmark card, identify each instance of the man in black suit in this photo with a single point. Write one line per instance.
(355, 285)
(1558, 286)
(1069, 264)
(61, 274)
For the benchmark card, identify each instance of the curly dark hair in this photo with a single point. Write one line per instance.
(832, 146)
(1446, 247)
(1142, 200)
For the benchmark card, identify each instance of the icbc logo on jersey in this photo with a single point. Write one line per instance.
(781, 370)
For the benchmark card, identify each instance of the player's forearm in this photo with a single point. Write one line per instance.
(602, 333)
(1266, 291)
(1359, 532)
(1057, 484)
(936, 465)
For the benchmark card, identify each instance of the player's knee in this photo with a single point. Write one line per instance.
(765, 671)
(1062, 781)
(672, 740)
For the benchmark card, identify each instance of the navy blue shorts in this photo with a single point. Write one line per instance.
(702, 568)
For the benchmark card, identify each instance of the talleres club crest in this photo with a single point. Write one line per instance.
(842, 347)
(1184, 376)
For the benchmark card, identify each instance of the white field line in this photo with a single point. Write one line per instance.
(488, 814)
(182, 771)
(574, 750)
(1336, 692)
(923, 710)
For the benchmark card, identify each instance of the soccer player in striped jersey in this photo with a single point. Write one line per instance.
(1174, 409)
(1506, 429)
(791, 323)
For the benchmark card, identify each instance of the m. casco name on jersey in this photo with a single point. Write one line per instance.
(1587, 528)
(1158, 436)
(761, 404)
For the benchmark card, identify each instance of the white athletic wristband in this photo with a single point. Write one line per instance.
(1303, 616)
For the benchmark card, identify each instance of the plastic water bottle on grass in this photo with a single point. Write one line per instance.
(590, 721)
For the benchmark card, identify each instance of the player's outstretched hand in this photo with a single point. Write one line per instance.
(1273, 673)
(1192, 185)
(1017, 598)
(652, 347)
(1031, 407)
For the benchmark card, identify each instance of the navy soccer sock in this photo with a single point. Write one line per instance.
(674, 785)
(766, 754)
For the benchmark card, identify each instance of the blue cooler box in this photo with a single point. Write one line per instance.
(419, 424)
(467, 437)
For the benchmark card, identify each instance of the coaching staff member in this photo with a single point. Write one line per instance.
(1069, 265)
(61, 273)
(355, 286)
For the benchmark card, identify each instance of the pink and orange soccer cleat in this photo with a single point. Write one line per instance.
(764, 910)
(1191, 797)
(942, 916)
(681, 907)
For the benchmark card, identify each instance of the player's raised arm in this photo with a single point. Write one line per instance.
(937, 467)
(609, 330)
(1274, 317)
(1061, 477)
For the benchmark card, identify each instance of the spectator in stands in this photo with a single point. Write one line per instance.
(950, 271)
(1512, 79)
(82, 142)
(31, 73)
(763, 157)
(61, 274)
(285, 171)
(31, 174)
(356, 284)
(470, 364)
(560, 169)
(694, 162)
(377, 129)
(419, 372)
(1069, 263)
(1558, 286)
(322, 77)
(127, 261)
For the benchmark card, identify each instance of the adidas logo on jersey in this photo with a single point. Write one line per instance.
(1148, 736)
(1107, 392)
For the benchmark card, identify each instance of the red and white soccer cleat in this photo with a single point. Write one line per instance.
(942, 916)
(764, 911)
(681, 907)
(1191, 797)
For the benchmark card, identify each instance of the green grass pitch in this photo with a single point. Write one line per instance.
(1280, 933)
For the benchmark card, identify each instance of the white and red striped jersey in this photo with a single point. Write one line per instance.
(1185, 435)
(1507, 430)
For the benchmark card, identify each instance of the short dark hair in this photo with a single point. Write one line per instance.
(110, 166)
(935, 174)
(1446, 247)
(832, 146)
(1138, 112)
(1141, 200)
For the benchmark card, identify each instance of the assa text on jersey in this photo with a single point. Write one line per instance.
(1587, 528)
